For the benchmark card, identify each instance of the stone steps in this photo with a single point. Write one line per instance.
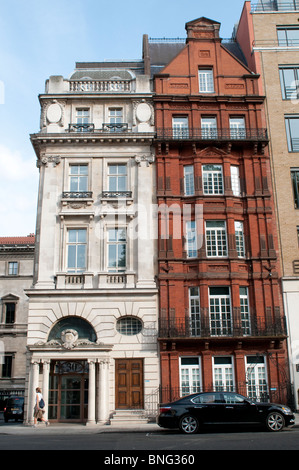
(128, 418)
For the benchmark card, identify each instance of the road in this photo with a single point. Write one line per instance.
(161, 442)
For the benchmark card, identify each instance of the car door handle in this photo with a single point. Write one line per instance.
(229, 407)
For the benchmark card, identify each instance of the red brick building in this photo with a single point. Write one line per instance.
(221, 322)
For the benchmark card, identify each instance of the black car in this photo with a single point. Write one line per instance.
(14, 409)
(190, 413)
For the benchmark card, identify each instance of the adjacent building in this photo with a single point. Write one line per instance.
(221, 318)
(92, 342)
(16, 275)
(268, 33)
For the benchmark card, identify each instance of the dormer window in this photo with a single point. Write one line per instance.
(206, 81)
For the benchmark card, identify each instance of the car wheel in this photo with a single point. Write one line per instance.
(189, 425)
(275, 421)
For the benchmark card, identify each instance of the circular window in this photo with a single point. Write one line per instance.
(129, 326)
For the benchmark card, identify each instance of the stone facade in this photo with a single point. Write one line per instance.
(94, 281)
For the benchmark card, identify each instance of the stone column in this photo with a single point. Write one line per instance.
(34, 371)
(45, 389)
(103, 405)
(91, 394)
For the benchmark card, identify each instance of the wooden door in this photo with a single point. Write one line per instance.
(129, 383)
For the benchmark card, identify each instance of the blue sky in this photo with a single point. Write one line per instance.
(39, 38)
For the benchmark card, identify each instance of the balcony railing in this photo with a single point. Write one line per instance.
(234, 325)
(215, 134)
(100, 86)
(117, 194)
(274, 5)
(77, 195)
(115, 127)
(81, 127)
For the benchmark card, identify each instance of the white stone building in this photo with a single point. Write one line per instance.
(92, 323)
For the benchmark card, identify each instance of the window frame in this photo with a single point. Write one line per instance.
(14, 272)
(117, 243)
(223, 373)
(240, 238)
(212, 178)
(180, 126)
(245, 311)
(221, 320)
(293, 141)
(206, 83)
(77, 243)
(287, 42)
(189, 187)
(117, 177)
(79, 177)
(289, 92)
(194, 310)
(209, 128)
(191, 239)
(190, 375)
(295, 186)
(216, 239)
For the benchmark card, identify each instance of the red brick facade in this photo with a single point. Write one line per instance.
(221, 316)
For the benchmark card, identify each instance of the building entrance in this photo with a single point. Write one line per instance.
(129, 383)
(68, 391)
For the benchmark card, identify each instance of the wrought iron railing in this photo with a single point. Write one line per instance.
(233, 324)
(115, 127)
(215, 134)
(77, 195)
(117, 194)
(88, 127)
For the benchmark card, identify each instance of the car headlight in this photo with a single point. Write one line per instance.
(287, 410)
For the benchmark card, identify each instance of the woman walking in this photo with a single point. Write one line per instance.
(38, 408)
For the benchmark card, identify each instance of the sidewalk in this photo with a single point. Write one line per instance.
(20, 429)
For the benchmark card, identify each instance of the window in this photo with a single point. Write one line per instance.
(10, 312)
(237, 127)
(189, 180)
(288, 36)
(117, 177)
(220, 311)
(191, 239)
(180, 127)
(206, 81)
(117, 244)
(235, 180)
(240, 243)
(78, 177)
(13, 268)
(76, 250)
(194, 310)
(115, 119)
(190, 375)
(256, 378)
(289, 81)
(245, 312)
(209, 127)
(212, 179)
(295, 183)
(292, 130)
(7, 366)
(83, 120)
(223, 373)
(129, 326)
(216, 242)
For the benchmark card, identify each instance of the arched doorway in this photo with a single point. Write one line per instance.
(68, 379)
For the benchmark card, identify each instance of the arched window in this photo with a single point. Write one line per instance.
(83, 328)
